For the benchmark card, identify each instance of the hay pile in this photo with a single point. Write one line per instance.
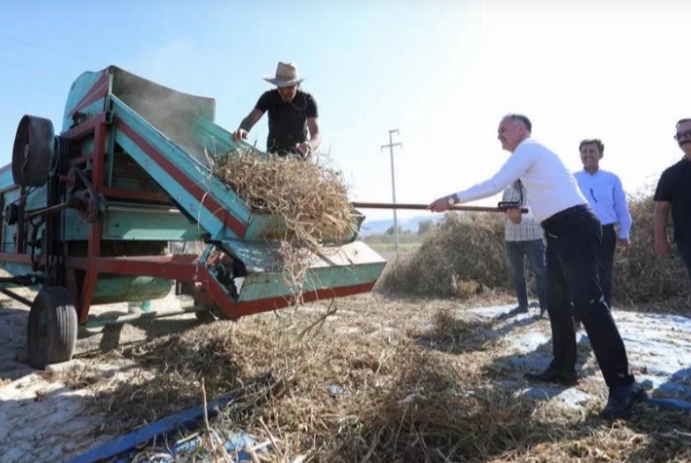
(465, 256)
(462, 257)
(423, 385)
(308, 199)
(371, 393)
(640, 277)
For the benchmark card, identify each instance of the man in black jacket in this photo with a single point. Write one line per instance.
(673, 193)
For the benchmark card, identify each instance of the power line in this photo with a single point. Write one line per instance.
(43, 72)
(5, 84)
(46, 47)
(26, 68)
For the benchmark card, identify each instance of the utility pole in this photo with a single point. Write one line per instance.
(393, 183)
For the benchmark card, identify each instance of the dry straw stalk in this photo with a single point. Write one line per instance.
(309, 201)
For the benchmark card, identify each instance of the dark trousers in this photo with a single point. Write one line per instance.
(573, 241)
(608, 247)
(516, 251)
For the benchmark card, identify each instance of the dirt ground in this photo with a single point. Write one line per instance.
(44, 417)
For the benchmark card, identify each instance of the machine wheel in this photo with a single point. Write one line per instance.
(89, 208)
(214, 313)
(33, 151)
(11, 214)
(52, 327)
(205, 317)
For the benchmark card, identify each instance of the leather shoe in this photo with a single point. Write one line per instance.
(551, 375)
(621, 401)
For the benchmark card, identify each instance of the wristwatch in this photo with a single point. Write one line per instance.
(452, 199)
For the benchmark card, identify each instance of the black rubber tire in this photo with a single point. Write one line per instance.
(206, 316)
(211, 315)
(52, 327)
(31, 166)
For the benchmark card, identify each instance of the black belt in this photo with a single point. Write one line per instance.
(561, 214)
(609, 225)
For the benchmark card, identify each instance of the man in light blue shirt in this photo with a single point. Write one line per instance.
(607, 198)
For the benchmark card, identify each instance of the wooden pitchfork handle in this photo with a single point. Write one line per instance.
(501, 207)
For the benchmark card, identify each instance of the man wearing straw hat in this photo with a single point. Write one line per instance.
(573, 234)
(292, 113)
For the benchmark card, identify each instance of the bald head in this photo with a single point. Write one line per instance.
(513, 129)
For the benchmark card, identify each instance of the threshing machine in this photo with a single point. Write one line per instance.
(88, 216)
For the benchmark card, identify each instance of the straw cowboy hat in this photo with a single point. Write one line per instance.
(286, 75)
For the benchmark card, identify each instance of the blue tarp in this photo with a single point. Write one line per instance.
(658, 346)
(124, 448)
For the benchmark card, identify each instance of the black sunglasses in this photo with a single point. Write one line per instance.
(681, 135)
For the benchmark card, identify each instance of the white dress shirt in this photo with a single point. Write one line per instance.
(551, 186)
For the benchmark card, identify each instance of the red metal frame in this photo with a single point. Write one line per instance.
(97, 91)
(15, 258)
(95, 231)
(178, 267)
(187, 268)
(116, 193)
(204, 198)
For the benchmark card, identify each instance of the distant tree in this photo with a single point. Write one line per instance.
(389, 231)
(424, 226)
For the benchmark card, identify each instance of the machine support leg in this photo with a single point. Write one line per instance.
(15, 296)
(94, 247)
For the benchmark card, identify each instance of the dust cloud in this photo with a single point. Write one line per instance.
(171, 112)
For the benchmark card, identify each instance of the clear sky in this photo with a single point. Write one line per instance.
(443, 72)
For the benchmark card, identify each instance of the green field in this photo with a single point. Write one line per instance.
(391, 247)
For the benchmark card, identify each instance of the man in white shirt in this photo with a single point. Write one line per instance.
(573, 235)
(521, 240)
(605, 193)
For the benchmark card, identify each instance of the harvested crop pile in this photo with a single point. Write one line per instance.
(380, 381)
(465, 256)
(639, 275)
(309, 198)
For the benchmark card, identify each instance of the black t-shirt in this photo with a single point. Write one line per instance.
(674, 186)
(287, 120)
